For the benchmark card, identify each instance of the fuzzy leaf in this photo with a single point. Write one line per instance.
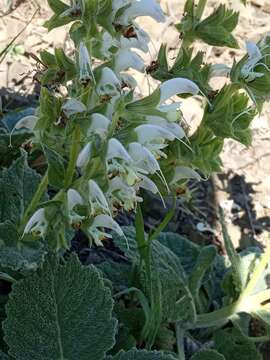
(168, 275)
(15, 254)
(204, 262)
(4, 356)
(141, 355)
(18, 185)
(234, 346)
(61, 312)
(184, 249)
(208, 355)
(56, 167)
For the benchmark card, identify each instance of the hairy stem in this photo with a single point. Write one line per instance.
(180, 332)
(74, 152)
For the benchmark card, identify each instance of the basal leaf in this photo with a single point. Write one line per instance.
(62, 312)
(208, 355)
(234, 346)
(204, 262)
(18, 185)
(4, 356)
(141, 355)
(17, 255)
(186, 250)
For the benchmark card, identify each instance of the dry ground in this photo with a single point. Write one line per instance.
(244, 187)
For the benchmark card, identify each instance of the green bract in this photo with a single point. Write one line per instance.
(87, 155)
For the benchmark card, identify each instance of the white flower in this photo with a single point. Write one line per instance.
(142, 8)
(143, 159)
(72, 107)
(254, 57)
(74, 199)
(99, 124)
(108, 84)
(154, 137)
(27, 122)
(118, 4)
(139, 41)
(97, 199)
(183, 172)
(84, 156)
(174, 128)
(103, 221)
(122, 195)
(85, 64)
(177, 86)
(117, 150)
(149, 185)
(107, 43)
(37, 224)
(128, 80)
(172, 111)
(125, 59)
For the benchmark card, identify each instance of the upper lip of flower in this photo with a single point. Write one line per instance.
(125, 59)
(177, 86)
(84, 156)
(85, 63)
(72, 107)
(117, 150)
(97, 197)
(142, 8)
(37, 223)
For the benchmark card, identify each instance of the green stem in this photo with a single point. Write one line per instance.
(35, 200)
(265, 259)
(113, 124)
(216, 318)
(180, 332)
(74, 152)
(200, 9)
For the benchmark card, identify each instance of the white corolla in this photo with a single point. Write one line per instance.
(97, 199)
(101, 222)
(37, 224)
(140, 8)
(74, 199)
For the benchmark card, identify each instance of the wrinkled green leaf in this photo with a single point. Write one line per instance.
(186, 250)
(61, 312)
(18, 185)
(17, 255)
(141, 355)
(56, 167)
(234, 346)
(4, 356)
(208, 355)
(204, 262)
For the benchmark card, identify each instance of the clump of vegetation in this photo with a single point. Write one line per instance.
(99, 145)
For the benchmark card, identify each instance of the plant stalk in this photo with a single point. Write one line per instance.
(180, 332)
(74, 152)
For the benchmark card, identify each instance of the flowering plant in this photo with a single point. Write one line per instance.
(102, 143)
